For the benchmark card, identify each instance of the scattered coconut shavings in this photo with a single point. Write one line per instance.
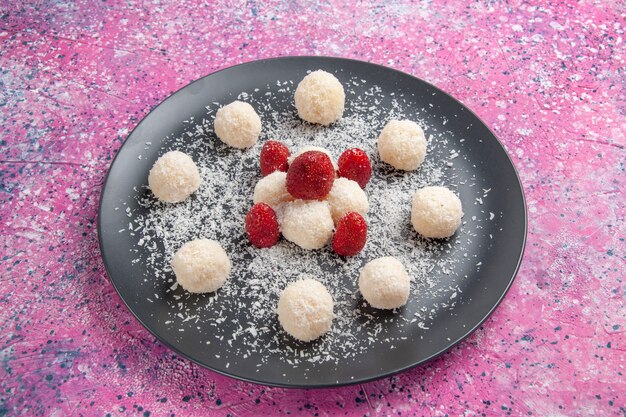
(247, 302)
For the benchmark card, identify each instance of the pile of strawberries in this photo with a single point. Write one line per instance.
(310, 176)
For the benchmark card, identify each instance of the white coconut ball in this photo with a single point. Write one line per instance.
(272, 190)
(238, 125)
(307, 223)
(201, 266)
(436, 212)
(313, 148)
(402, 144)
(305, 309)
(174, 177)
(346, 196)
(385, 283)
(320, 98)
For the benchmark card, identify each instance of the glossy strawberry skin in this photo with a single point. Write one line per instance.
(262, 226)
(354, 164)
(310, 176)
(274, 157)
(350, 235)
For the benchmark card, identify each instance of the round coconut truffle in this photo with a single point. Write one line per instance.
(402, 145)
(307, 223)
(346, 196)
(320, 98)
(385, 283)
(305, 309)
(436, 212)
(201, 266)
(313, 148)
(238, 125)
(272, 190)
(174, 177)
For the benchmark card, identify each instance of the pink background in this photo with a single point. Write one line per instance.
(548, 78)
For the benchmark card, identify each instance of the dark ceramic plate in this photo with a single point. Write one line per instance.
(497, 246)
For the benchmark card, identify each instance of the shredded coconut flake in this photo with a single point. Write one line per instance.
(249, 297)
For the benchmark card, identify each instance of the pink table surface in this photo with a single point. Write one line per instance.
(548, 78)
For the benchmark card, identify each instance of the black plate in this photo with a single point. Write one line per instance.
(492, 238)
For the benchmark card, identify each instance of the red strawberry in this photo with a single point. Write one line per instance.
(350, 235)
(355, 165)
(274, 156)
(310, 176)
(262, 226)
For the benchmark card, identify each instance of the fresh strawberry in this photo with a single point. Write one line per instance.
(355, 165)
(262, 226)
(310, 176)
(274, 156)
(350, 235)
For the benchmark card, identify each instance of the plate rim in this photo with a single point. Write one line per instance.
(314, 385)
